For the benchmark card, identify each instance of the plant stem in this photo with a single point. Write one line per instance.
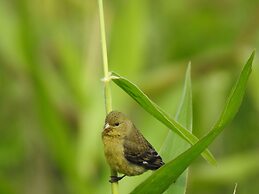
(107, 89)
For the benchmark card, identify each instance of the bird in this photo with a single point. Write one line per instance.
(126, 149)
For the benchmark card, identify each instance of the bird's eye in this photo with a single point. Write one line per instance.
(117, 124)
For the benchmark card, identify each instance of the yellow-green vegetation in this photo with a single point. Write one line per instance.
(52, 106)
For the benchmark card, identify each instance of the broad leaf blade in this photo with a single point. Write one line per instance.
(159, 181)
(175, 145)
(158, 113)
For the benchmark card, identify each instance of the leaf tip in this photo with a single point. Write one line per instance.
(188, 71)
(252, 55)
(189, 66)
(251, 58)
(250, 61)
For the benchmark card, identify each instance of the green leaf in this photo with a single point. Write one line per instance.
(236, 96)
(158, 113)
(159, 181)
(175, 145)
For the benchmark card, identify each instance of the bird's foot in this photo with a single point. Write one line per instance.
(116, 178)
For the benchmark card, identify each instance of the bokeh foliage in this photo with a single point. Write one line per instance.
(51, 99)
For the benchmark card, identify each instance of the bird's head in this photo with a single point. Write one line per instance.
(116, 123)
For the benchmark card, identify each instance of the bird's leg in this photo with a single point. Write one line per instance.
(116, 178)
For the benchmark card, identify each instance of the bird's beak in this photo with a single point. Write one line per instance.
(106, 126)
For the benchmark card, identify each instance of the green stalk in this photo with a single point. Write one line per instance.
(107, 89)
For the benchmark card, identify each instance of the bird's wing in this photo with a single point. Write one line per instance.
(139, 151)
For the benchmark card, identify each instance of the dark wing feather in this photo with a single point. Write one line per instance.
(139, 151)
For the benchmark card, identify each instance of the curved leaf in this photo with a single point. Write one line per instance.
(142, 99)
(160, 180)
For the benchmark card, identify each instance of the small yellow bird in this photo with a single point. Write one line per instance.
(125, 148)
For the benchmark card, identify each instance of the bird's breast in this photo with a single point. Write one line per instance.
(114, 153)
(113, 150)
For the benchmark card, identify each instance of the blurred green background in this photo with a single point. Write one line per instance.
(51, 98)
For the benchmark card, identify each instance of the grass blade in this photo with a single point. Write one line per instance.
(175, 145)
(142, 99)
(236, 96)
(159, 181)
